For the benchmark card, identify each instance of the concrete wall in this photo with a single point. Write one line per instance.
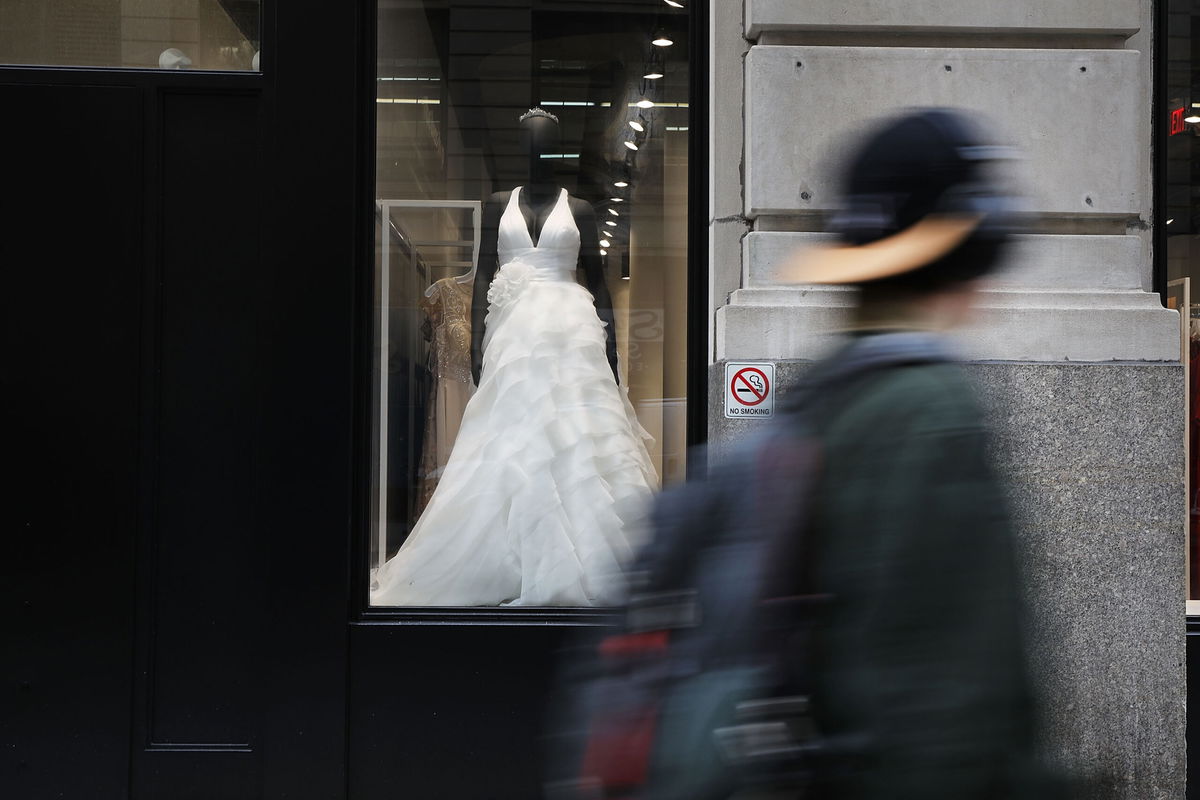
(1078, 359)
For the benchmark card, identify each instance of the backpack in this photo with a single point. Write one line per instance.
(703, 690)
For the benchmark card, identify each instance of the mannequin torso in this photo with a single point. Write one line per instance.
(536, 201)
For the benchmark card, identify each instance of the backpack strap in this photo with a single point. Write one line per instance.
(867, 354)
(790, 466)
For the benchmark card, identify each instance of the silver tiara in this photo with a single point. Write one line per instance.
(537, 112)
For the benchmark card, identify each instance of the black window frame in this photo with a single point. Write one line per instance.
(697, 347)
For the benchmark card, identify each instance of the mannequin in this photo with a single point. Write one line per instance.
(539, 136)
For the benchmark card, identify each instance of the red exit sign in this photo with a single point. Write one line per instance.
(1177, 123)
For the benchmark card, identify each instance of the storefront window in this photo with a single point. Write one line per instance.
(1181, 222)
(530, 296)
(155, 34)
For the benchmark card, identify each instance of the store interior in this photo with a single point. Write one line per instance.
(453, 80)
(1181, 222)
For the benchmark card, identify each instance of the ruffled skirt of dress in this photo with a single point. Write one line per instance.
(548, 478)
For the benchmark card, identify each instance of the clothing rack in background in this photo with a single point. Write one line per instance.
(384, 210)
(403, 242)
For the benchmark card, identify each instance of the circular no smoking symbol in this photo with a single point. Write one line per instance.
(750, 386)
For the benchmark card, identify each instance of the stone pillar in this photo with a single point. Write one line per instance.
(1078, 358)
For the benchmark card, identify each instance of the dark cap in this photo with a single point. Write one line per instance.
(915, 192)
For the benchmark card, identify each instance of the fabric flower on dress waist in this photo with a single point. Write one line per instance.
(510, 281)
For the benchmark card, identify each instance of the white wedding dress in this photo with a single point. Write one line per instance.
(549, 473)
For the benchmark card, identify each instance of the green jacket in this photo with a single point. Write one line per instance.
(921, 657)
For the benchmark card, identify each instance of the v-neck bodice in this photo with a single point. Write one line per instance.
(557, 250)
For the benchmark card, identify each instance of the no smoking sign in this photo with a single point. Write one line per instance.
(749, 390)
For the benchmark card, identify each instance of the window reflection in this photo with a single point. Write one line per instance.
(180, 34)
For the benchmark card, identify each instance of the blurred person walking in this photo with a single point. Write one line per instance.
(834, 611)
(920, 652)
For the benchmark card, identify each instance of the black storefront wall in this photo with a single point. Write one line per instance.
(70, 384)
(133, 221)
(186, 368)
(179, 369)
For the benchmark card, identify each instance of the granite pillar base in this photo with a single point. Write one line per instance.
(1094, 458)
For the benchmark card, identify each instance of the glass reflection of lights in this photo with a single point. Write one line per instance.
(637, 126)
(644, 104)
(610, 223)
(662, 41)
(673, 4)
(652, 76)
(614, 212)
(582, 103)
(617, 199)
(620, 184)
(631, 145)
(605, 243)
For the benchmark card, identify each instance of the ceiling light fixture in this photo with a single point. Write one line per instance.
(673, 4)
(661, 41)
(644, 104)
(605, 243)
(652, 76)
(631, 145)
(614, 212)
(610, 223)
(617, 199)
(603, 252)
(1192, 119)
(620, 184)
(637, 126)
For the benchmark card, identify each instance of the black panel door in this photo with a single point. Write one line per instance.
(69, 379)
(196, 731)
(177, 373)
(130, 238)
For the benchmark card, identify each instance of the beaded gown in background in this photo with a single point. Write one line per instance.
(447, 307)
(549, 473)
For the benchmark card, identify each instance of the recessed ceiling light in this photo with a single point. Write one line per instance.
(620, 184)
(617, 199)
(673, 4)
(605, 243)
(637, 126)
(662, 41)
(1172, 219)
(610, 223)
(631, 145)
(603, 252)
(644, 104)
(614, 212)
(652, 76)
(624, 277)
(1192, 119)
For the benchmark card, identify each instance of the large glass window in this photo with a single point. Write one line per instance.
(1181, 225)
(156, 34)
(530, 296)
